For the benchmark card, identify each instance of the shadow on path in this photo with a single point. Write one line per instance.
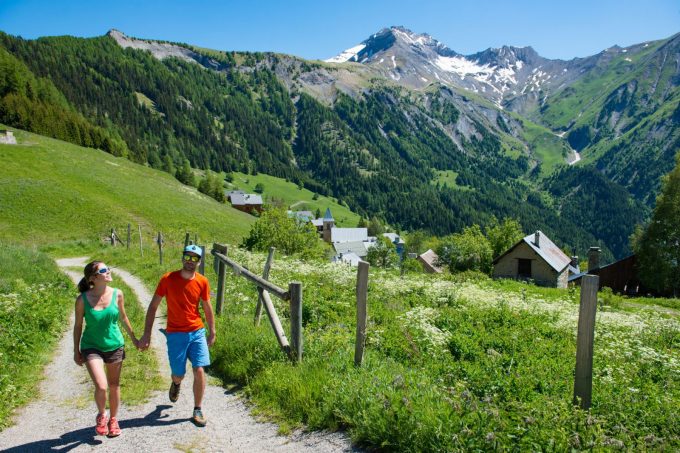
(73, 439)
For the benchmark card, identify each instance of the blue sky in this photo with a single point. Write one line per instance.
(321, 29)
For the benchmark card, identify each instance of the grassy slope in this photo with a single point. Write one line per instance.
(52, 191)
(584, 99)
(295, 198)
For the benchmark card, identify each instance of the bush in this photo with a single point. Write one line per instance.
(275, 228)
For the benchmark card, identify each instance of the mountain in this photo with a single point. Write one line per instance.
(621, 93)
(400, 127)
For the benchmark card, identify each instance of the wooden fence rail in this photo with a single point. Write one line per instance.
(242, 271)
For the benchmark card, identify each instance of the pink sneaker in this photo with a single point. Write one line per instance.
(114, 429)
(101, 429)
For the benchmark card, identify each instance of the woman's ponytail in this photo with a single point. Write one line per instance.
(85, 284)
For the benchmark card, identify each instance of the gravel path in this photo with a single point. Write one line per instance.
(62, 419)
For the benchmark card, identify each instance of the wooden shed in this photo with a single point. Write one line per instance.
(535, 257)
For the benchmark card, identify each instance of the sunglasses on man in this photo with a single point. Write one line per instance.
(103, 270)
(192, 258)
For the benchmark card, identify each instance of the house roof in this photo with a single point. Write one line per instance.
(317, 222)
(350, 258)
(359, 248)
(577, 276)
(348, 234)
(546, 249)
(430, 258)
(393, 237)
(302, 215)
(246, 199)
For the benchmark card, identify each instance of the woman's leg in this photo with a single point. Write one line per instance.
(96, 369)
(113, 372)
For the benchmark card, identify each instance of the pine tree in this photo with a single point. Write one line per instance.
(658, 248)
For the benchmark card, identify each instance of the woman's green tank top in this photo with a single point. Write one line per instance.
(101, 327)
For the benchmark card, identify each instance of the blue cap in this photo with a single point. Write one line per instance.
(193, 249)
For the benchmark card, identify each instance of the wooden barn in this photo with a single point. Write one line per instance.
(537, 258)
(621, 276)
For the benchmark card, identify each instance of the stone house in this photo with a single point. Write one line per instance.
(535, 257)
(246, 202)
(430, 260)
(7, 137)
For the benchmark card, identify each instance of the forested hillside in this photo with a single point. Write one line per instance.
(379, 148)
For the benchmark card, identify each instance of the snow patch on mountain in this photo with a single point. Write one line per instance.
(347, 55)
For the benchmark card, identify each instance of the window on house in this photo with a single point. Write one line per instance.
(524, 268)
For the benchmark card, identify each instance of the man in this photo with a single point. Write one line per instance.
(185, 334)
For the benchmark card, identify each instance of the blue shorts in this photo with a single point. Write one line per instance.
(183, 345)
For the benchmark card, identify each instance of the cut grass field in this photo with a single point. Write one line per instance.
(52, 191)
(294, 198)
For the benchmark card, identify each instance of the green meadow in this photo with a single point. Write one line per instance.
(53, 191)
(278, 190)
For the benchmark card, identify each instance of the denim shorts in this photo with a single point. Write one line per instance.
(183, 345)
(115, 356)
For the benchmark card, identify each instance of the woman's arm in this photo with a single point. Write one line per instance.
(78, 330)
(124, 319)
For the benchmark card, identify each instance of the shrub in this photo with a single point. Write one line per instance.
(275, 228)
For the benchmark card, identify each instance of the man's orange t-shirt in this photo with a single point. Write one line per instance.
(183, 298)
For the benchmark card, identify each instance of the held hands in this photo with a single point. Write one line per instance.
(143, 343)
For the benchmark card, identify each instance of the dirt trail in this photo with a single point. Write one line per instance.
(62, 419)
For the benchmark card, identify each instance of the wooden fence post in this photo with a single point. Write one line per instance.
(362, 315)
(583, 379)
(221, 274)
(141, 249)
(186, 240)
(275, 322)
(113, 237)
(128, 237)
(295, 290)
(159, 240)
(265, 275)
(201, 266)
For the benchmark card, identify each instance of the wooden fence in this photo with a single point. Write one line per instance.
(583, 375)
(265, 288)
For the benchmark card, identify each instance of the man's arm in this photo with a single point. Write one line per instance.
(150, 318)
(210, 319)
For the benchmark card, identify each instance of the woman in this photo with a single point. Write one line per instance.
(101, 345)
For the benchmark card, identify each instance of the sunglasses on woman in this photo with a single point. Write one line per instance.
(103, 270)
(192, 258)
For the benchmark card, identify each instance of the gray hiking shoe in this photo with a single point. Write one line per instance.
(198, 418)
(173, 393)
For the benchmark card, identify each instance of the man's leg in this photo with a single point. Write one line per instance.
(199, 385)
(200, 357)
(178, 343)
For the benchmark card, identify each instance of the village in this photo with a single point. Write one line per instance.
(534, 258)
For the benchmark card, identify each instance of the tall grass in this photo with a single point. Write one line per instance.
(35, 299)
